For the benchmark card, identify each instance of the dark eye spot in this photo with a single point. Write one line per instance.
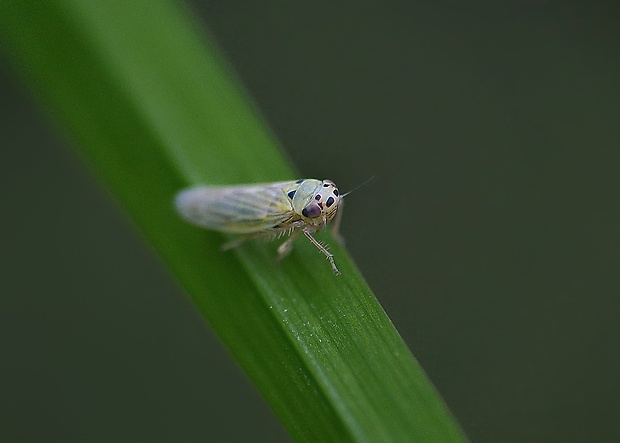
(317, 197)
(291, 194)
(325, 185)
(311, 211)
(330, 201)
(336, 193)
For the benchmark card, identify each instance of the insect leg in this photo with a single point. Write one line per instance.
(242, 239)
(336, 224)
(237, 241)
(286, 247)
(324, 250)
(233, 243)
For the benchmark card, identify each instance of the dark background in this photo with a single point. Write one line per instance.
(490, 233)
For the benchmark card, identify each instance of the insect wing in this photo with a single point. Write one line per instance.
(236, 209)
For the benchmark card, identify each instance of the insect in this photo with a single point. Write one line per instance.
(265, 210)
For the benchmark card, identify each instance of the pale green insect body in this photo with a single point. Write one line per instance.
(266, 209)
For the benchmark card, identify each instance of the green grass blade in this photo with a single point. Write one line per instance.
(152, 109)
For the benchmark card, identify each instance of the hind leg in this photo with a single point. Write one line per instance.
(285, 248)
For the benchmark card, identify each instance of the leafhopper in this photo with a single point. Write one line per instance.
(265, 210)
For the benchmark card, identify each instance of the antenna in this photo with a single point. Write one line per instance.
(358, 186)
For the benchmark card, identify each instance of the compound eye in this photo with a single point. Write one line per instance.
(313, 210)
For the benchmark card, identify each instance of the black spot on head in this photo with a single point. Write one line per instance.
(304, 212)
(330, 201)
(325, 185)
(291, 194)
(317, 197)
(336, 193)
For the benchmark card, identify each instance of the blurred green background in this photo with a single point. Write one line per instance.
(491, 233)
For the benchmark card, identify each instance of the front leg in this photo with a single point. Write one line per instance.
(335, 231)
(324, 250)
